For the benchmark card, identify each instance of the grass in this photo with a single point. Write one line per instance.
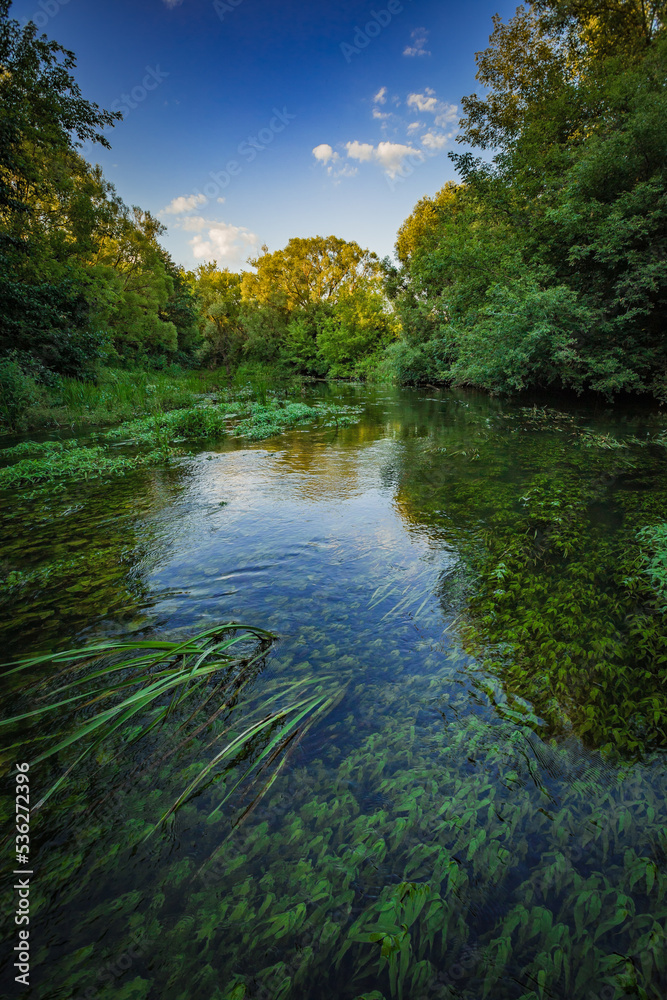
(124, 690)
(119, 395)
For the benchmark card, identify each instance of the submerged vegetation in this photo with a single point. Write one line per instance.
(165, 434)
(435, 769)
(137, 686)
(434, 782)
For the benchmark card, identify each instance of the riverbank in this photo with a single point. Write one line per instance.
(119, 394)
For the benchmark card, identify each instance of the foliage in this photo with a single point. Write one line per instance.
(41, 106)
(159, 432)
(264, 421)
(309, 271)
(17, 392)
(654, 539)
(218, 295)
(117, 394)
(546, 266)
(82, 275)
(316, 307)
(359, 327)
(145, 683)
(434, 834)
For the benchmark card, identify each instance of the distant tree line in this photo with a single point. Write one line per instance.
(545, 266)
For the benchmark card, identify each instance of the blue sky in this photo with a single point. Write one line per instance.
(250, 121)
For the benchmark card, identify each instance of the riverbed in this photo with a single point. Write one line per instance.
(463, 820)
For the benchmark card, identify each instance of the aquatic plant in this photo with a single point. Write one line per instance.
(442, 831)
(127, 689)
(81, 463)
(266, 420)
(162, 432)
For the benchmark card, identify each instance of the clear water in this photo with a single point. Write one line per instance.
(435, 834)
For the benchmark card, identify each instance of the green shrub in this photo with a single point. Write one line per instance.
(18, 391)
(414, 364)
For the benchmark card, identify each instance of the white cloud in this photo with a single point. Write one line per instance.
(414, 127)
(381, 96)
(428, 103)
(382, 115)
(391, 155)
(184, 204)
(419, 39)
(345, 171)
(323, 152)
(424, 102)
(221, 201)
(227, 244)
(434, 141)
(388, 155)
(193, 223)
(172, 3)
(362, 151)
(338, 169)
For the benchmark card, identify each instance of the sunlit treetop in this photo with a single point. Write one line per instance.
(310, 270)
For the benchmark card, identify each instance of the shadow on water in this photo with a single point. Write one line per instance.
(481, 811)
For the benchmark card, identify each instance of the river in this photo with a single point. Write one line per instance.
(481, 810)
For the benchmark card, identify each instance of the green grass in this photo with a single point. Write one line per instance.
(117, 692)
(120, 395)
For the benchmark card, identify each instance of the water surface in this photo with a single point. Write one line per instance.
(449, 828)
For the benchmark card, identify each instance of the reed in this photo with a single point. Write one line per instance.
(127, 689)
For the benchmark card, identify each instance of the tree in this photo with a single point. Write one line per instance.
(41, 108)
(42, 116)
(308, 271)
(218, 296)
(360, 324)
(549, 265)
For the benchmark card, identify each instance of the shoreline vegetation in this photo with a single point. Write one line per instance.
(544, 267)
(156, 436)
(493, 800)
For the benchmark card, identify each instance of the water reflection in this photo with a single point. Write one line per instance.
(499, 853)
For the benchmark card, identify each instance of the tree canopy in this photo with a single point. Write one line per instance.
(548, 265)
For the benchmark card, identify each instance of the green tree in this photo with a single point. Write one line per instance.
(360, 325)
(42, 116)
(315, 304)
(218, 294)
(317, 269)
(548, 266)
